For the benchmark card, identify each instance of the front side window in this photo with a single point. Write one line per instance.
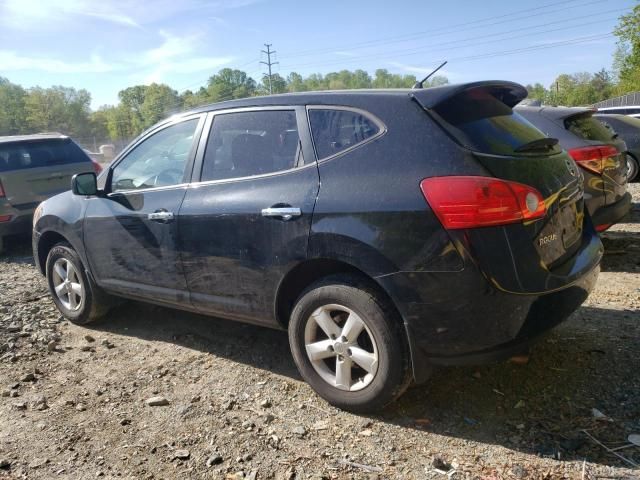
(244, 144)
(159, 161)
(337, 130)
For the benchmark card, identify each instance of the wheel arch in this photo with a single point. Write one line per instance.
(46, 242)
(310, 271)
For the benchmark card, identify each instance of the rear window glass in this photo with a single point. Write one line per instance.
(589, 128)
(24, 155)
(337, 130)
(483, 123)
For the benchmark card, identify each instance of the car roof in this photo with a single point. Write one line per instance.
(428, 97)
(557, 113)
(619, 107)
(33, 137)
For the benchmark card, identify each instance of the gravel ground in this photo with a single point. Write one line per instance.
(75, 401)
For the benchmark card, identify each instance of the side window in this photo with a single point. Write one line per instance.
(243, 144)
(158, 161)
(336, 130)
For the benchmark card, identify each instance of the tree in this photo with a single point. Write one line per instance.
(159, 102)
(278, 84)
(12, 102)
(295, 83)
(627, 58)
(229, 84)
(58, 108)
(537, 92)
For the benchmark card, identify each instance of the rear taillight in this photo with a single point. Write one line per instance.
(5, 218)
(2, 194)
(96, 167)
(593, 158)
(469, 202)
(603, 227)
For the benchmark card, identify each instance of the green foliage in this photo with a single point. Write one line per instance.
(580, 88)
(12, 101)
(229, 84)
(627, 57)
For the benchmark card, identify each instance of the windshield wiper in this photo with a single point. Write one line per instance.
(539, 144)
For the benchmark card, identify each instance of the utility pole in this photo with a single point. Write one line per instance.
(268, 63)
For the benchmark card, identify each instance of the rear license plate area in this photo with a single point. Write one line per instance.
(560, 236)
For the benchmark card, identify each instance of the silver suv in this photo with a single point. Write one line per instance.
(32, 169)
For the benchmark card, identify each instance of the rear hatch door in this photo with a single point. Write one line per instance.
(510, 148)
(33, 171)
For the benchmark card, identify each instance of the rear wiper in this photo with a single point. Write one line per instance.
(539, 144)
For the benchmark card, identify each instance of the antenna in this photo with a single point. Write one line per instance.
(419, 84)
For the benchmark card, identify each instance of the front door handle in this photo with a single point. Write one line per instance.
(285, 213)
(161, 216)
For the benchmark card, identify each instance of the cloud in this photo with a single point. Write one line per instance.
(26, 14)
(57, 15)
(175, 54)
(11, 61)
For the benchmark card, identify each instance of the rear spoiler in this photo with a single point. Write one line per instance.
(510, 93)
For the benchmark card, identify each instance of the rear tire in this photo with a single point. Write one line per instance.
(349, 345)
(75, 294)
(634, 168)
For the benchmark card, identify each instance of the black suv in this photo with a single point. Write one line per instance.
(386, 230)
(600, 154)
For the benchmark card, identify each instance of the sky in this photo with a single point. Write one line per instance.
(105, 46)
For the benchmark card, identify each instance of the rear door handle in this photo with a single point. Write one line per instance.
(161, 216)
(285, 213)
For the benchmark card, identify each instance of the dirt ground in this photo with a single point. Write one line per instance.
(73, 399)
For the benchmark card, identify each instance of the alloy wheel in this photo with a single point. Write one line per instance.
(67, 284)
(341, 348)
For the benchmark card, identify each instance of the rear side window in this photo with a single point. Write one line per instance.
(24, 155)
(335, 131)
(244, 144)
(483, 123)
(589, 128)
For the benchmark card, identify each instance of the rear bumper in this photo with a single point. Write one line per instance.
(20, 222)
(470, 322)
(465, 317)
(613, 213)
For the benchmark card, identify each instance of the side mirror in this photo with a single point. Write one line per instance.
(84, 184)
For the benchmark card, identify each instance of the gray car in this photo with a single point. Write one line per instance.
(628, 129)
(596, 150)
(32, 169)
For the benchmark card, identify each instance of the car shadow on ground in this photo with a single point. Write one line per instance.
(539, 408)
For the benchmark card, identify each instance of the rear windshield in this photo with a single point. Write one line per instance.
(49, 153)
(483, 123)
(589, 128)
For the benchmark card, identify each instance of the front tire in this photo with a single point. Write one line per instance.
(349, 345)
(76, 296)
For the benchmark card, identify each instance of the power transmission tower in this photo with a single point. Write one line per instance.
(268, 63)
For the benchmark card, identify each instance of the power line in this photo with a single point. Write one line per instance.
(505, 18)
(269, 63)
(461, 42)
